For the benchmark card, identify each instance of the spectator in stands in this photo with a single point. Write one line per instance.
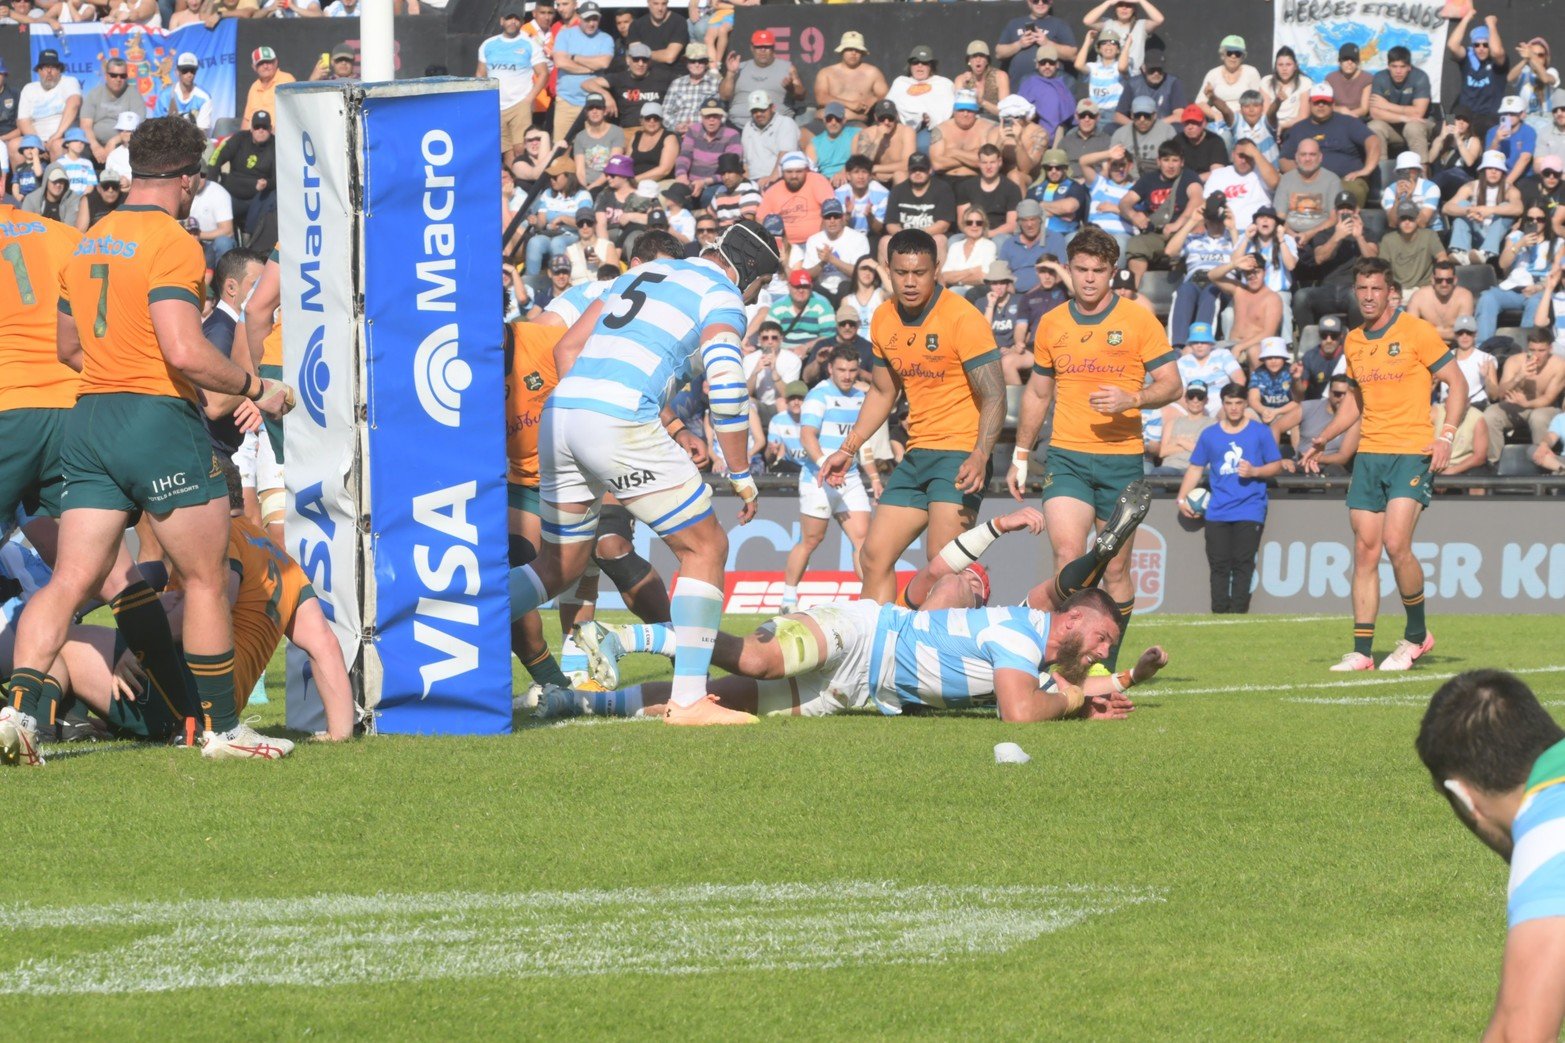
(101, 107)
(554, 283)
(734, 196)
(1548, 191)
(1411, 186)
(1022, 142)
(887, 143)
(186, 12)
(762, 74)
(818, 365)
(995, 195)
(1277, 253)
(1145, 136)
(184, 98)
(1547, 453)
(29, 171)
(687, 96)
(804, 315)
(1325, 269)
(1001, 306)
(1022, 37)
(581, 53)
(590, 251)
(863, 198)
(1203, 151)
(1208, 363)
(1156, 206)
(851, 83)
(971, 253)
(767, 137)
(1257, 308)
(347, 9)
(1315, 369)
(630, 89)
(1107, 183)
(1316, 413)
(54, 198)
(703, 145)
(923, 202)
(1513, 138)
(1201, 245)
(1443, 303)
(49, 105)
(770, 369)
(620, 31)
(251, 159)
(1532, 78)
(1482, 212)
(1182, 422)
(706, 235)
(1411, 250)
(1023, 249)
(1530, 252)
(829, 150)
(1551, 138)
(532, 164)
(76, 161)
(1348, 149)
(107, 195)
(1065, 202)
(831, 253)
(1087, 137)
(617, 204)
(10, 134)
(796, 197)
(956, 141)
(653, 150)
(1228, 82)
(212, 210)
(520, 66)
(924, 99)
(1528, 392)
(1304, 194)
(1044, 287)
(1481, 369)
(1049, 92)
(1454, 154)
(1247, 182)
(1482, 66)
(214, 11)
(1399, 101)
(869, 290)
(1350, 83)
(272, 8)
(1271, 389)
(596, 143)
(665, 34)
(989, 83)
(262, 96)
(1155, 82)
(711, 22)
(553, 216)
(1132, 20)
(1250, 124)
(1107, 73)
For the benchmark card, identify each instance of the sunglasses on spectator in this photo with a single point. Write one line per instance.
(1048, 61)
(1330, 336)
(831, 217)
(847, 322)
(832, 117)
(1234, 54)
(761, 47)
(770, 338)
(1466, 333)
(114, 75)
(1086, 115)
(697, 61)
(1447, 281)
(706, 228)
(636, 58)
(919, 61)
(1054, 166)
(1196, 394)
(1550, 173)
(972, 224)
(112, 187)
(1143, 115)
(1339, 394)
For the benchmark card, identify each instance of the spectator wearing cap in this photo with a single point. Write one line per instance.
(1513, 137)
(1399, 100)
(1326, 259)
(628, 89)
(1350, 84)
(106, 197)
(1247, 182)
(923, 202)
(597, 142)
(796, 197)
(665, 33)
(590, 251)
(984, 79)
(1204, 151)
(553, 217)
(851, 83)
(831, 254)
(804, 315)
(54, 198)
(924, 99)
(1156, 82)
(1020, 39)
(1315, 369)
(763, 73)
(1132, 20)
(1551, 134)
(520, 65)
(1481, 369)
(1250, 124)
(1158, 205)
(817, 364)
(1087, 136)
(1238, 454)
(1442, 302)
(1271, 388)
(617, 204)
(704, 144)
(118, 160)
(970, 254)
(1064, 201)
(49, 105)
(1049, 92)
(1140, 141)
(1482, 212)
(581, 52)
(1023, 249)
(212, 212)
(1316, 414)
(1411, 248)
(652, 148)
(828, 151)
(342, 63)
(690, 94)
(262, 96)
(76, 161)
(1257, 308)
(29, 170)
(251, 159)
(1202, 246)
(102, 105)
(1411, 186)
(1531, 251)
(955, 143)
(1106, 74)
(1229, 80)
(183, 98)
(1481, 61)
(1208, 363)
(863, 198)
(886, 143)
(1348, 149)
(992, 194)
(1182, 422)
(766, 139)
(784, 449)
(734, 196)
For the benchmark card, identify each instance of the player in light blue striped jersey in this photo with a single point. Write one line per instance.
(666, 323)
(1497, 756)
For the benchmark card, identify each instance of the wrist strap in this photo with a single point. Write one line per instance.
(249, 383)
(969, 546)
(675, 427)
(1122, 681)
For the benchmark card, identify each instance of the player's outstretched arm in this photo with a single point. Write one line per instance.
(1348, 414)
(728, 407)
(309, 630)
(966, 549)
(882, 395)
(1037, 398)
(1021, 701)
(1112, 688)
(1455, 380)
(261, 310)
(1531, 1003)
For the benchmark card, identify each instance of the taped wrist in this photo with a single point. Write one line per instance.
(727, 396)
(968, 547)
(1074, 697)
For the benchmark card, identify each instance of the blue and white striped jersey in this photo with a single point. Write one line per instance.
(1537, 886)
(947, 657)
(575, 301)
(647, 339)
(784, 430)
(19, 561)
(832, 412)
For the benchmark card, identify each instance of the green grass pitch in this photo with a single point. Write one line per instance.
(1256, 853)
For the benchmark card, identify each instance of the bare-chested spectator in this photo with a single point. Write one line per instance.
(1442, 302)
(1257, 307)
(954, 144)
(1529, 392)
(984, 79)
(853, 82)
(1022, 142)
(887, 143)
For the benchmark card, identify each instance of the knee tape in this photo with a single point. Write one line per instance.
(274, 506)
(625, 572)
(562, 527)
(615, 520)
(800, 653)
(522, 551)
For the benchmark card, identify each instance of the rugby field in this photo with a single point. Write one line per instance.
(1255, 853)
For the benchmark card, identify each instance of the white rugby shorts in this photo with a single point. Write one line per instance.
(258, 467)
(827, 501)
(841, 681)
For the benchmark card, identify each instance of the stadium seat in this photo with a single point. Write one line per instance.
(1516, 333)
(1375, 224)
(1516, 462)
(1309, 339)
(1158, 287)
(1476, 278)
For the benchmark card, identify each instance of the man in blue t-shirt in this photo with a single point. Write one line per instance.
(1020, 39)
(1238, 454)
(1494, 753)
(1482, 65)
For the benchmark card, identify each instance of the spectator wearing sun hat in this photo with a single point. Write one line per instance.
(76, 161)
(263, 92)
(762, 73)
(1412, 186)
(183, 97)
(50, 104)
(1513, 137)
(1483, 211)
(767, 137)
(852, 82)
(688, 95)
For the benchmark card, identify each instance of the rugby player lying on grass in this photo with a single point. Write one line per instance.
(1033, 659)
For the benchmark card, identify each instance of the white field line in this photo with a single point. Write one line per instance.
(370, 939)
(1412, 677)
(1164, 621)
(1386, 700)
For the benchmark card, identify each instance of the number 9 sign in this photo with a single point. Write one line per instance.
(812, 45)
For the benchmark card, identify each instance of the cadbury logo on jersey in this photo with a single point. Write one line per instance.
(1071, 364)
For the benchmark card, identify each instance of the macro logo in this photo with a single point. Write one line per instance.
(440, 376)
(315, 377)
(1149, 568)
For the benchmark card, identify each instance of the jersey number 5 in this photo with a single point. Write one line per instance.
(635, 298)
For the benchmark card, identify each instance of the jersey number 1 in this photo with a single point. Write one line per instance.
(24, 284)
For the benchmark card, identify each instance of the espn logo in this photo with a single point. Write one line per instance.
(759, 593)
